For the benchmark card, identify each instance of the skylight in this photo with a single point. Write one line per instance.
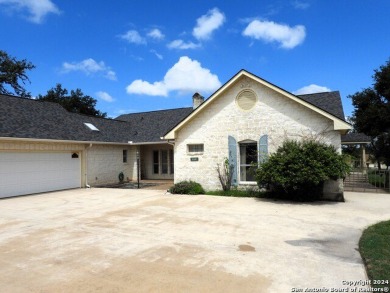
(91, 126)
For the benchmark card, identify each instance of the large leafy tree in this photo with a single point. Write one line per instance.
(13, 75)
(372, 113)
(75, 102)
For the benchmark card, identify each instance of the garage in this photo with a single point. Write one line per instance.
(34, 172)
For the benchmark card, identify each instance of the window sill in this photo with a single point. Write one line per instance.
(195, 154)
(248, 183)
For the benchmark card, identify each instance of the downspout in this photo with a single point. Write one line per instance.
(86, 165)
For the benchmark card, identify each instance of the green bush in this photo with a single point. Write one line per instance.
(187, 187)
(298, 170)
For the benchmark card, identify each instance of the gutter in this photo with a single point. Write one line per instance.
(22, 139)
(86, 165)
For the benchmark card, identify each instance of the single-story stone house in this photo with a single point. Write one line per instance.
(43, 147)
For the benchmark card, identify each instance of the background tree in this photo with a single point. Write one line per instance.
(13, 75)
(76, 102)
(372, 114)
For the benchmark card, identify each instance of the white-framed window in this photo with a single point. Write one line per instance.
(163, 162)
(124, 156)
(248, 159)
(156, 162)
(195, 148)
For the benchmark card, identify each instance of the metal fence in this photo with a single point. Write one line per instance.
(368, 180)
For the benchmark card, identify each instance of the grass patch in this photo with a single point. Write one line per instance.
(379, 179)
(237, 193)
(375, 250)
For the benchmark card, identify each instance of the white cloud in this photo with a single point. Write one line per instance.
(37, 9)
(311, 89)
(180, 44)
(142, 87)
(89, 66)
(156, 34)
(132, 36)
(185, 76)
(300, 5)
(104, 96)
(111, 75)
(269, 31)
(159, 56)
(206, 24)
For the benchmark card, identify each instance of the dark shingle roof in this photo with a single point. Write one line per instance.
(150, 126)
(355, 138)
(27, 118)
(327, 101)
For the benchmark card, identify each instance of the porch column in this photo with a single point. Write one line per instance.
(364, 161)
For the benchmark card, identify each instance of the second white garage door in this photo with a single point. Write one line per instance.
(27, 173)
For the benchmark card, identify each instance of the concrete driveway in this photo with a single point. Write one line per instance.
(112, 240)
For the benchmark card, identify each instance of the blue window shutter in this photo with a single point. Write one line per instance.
(233, 157)
(263, 149)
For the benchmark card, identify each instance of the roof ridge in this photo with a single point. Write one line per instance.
(336, 91)
(152, 111)
(59, 106)
(32, 100)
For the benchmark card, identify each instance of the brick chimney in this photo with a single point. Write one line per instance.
(197, 100)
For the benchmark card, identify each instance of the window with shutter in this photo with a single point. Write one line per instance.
(233, 157)
(248, 160)
(263, 148)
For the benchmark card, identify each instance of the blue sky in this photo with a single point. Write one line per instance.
(137, 56)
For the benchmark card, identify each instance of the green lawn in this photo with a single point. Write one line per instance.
(378, 180)
(237, 193)
(374, 246)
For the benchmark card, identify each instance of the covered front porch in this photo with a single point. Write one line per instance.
(156, 162)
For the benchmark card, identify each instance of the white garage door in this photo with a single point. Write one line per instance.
(26, 173)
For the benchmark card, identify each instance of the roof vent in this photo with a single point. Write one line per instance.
(246, 100)
(91, 126)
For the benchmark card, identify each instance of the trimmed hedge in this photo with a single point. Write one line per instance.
(187, 187)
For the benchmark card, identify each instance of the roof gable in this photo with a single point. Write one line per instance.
(308, 101)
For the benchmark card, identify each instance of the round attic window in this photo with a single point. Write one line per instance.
(246, 100)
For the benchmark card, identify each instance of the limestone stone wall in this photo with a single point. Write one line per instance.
(105, 162)
(273, 114)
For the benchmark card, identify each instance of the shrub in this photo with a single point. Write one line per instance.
(298, 170)
(187, 187)
(225, 175)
